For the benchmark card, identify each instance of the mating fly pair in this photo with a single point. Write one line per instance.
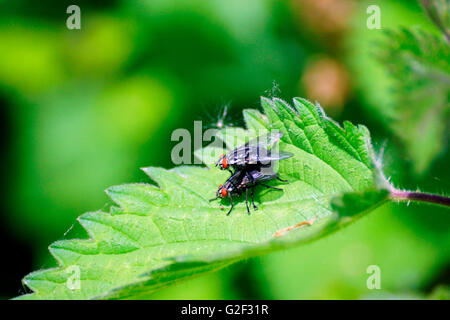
(252, 164)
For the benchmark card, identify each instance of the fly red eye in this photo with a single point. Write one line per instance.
(224, 192)
(224, 163)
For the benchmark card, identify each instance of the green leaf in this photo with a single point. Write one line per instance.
(418, 62)
(157, 235)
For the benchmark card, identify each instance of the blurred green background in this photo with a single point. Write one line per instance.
(82, 110)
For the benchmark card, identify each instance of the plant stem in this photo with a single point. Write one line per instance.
(420, 197)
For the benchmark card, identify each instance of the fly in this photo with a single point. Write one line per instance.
(256, 153)
(243, 180)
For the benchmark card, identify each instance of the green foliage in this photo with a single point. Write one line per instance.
(402, 77)
(156, 236)
(438, 11)
(441, 292)
(417, 61)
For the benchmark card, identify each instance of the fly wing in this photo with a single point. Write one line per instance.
(259, 176)
(280, 155)
(266, 157)
(243, 155)
(265, 141)
(255, 150)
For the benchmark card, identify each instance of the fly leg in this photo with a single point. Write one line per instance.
(278, 178)
(270, 187)
(253, 202)
(246, 200)
(250, 177)
(252, 180)
(231, 200)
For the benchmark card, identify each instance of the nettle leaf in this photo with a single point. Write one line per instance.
(157, 235)
(418, 63)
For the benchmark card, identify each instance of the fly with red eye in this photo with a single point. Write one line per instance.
(243, 180)
(256, 153)
(223, 163)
